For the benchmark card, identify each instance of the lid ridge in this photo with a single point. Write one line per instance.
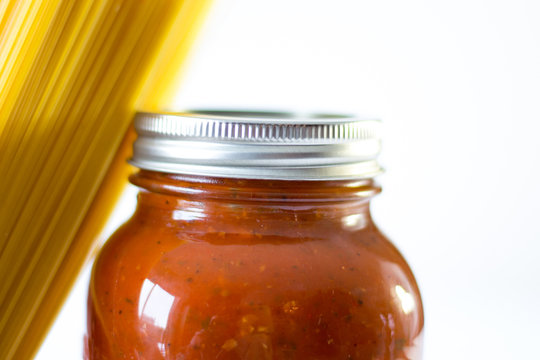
(264, 145)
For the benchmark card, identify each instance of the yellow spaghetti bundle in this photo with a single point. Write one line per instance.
(72, 73)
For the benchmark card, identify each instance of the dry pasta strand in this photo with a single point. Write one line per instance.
(72, 74)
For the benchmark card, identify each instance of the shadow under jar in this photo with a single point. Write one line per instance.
(252, 239)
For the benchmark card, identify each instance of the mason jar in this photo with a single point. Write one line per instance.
(253, 239)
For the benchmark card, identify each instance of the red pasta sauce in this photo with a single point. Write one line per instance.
(215, 268)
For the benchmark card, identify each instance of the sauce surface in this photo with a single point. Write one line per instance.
(231, 269)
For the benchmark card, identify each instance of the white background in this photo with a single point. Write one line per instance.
(457, 84)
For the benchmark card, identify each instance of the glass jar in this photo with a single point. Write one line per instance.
(265, 253)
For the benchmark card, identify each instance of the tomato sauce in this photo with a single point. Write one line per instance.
(214, 268)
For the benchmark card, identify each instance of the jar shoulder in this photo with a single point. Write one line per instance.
(367, 255)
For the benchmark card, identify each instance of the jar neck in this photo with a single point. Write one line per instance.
(256, 190)
(277, 203)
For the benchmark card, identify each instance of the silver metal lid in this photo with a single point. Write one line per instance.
(257, 145)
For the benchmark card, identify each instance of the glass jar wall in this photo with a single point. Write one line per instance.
(216, 267)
